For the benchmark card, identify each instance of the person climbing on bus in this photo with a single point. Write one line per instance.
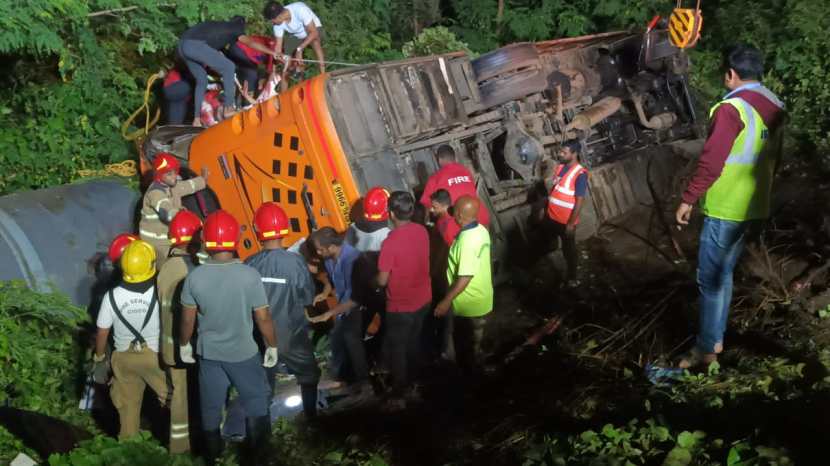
(200, 47)
(163, 200)
(304, 29)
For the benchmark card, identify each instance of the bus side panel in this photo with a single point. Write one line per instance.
(284, 150)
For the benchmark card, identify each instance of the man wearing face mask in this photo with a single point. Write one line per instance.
(733, 182)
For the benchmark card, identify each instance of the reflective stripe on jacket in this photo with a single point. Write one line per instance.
(562, 197)
(744, 187)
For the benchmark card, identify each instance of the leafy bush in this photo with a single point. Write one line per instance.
(647, 443)
(434, 41)
(38, 351)
(141, 450)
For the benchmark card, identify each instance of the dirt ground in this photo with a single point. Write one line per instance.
(636, 305)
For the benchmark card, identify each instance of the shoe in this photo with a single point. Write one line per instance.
(258, 430)
(213, 446)
(695, 358)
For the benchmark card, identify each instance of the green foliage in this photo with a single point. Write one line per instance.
(434, 41)
(792, 35)
(141, 450)
(38, 354)
(646, 443)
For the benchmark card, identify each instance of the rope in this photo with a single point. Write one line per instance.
(145, 107)
(327, 62)
(127, 169)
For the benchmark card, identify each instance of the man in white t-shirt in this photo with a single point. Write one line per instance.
(303, 27)
(131, 311)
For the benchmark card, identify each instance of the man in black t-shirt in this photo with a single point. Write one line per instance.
(201, 46)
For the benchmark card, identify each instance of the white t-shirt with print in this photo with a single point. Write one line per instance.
(301, 15)
(133, 307)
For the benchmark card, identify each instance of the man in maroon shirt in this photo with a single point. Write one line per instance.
(456, 179)
(404, 271)
(734, 181)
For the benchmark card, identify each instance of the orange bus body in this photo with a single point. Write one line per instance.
(276, 151)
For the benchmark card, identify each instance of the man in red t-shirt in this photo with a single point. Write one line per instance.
(445, 224)
(404, 271)
(456, 179)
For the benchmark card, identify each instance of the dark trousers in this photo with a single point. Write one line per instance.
(198, 55)
(175, 102)
(215, 377)
(402, 346)
(554, 230)
(468, 333)
(348, 356)
(297, 353)
(245, 68)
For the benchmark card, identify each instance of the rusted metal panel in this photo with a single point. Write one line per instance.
(618, 187)
(379, 106)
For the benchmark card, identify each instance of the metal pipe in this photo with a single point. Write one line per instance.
(661, 121)
(601, 110)
(53, 238)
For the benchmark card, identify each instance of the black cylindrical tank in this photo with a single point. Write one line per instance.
(55, 237)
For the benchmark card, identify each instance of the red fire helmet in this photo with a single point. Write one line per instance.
(118, 244)
(375, 204)
(220, 232)
(183, 226)
(270, 222)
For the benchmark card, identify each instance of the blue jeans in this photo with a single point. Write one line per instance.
(215, 377)
(721, 244)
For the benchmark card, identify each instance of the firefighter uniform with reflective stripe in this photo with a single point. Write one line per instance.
(160, 205)
(743, 190)
(170, 278)
(562, 198)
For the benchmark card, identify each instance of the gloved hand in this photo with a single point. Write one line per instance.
(100, 369)
(186, 354)
(270, 359)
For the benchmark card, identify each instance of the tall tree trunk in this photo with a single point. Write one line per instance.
(499, 18)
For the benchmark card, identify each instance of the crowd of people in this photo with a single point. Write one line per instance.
(225, 49)
(399, 292)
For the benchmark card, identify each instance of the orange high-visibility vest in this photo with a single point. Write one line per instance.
(562, 197)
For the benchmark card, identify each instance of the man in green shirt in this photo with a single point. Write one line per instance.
(471, 285)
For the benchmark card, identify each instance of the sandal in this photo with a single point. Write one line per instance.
(695, 358)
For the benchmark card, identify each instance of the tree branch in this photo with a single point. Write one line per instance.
(112, 12)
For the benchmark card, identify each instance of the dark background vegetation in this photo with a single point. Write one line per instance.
(72, 71)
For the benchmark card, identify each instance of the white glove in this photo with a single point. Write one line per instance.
(186, 354)
(270, 359)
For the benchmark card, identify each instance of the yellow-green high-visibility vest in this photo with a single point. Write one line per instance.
(743, 190)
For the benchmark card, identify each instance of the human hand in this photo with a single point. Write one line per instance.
(570, 229)
(323, 317)
(205, 172)
(270, 358)
(684, 212)
(100, 369)
(319, 299)
(442, 308)
(186, 354)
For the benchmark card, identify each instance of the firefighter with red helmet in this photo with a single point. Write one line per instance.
(290, 288)
(183, 235)
(371, 221)
(366, 234)
(230, 298)
(163, 200)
